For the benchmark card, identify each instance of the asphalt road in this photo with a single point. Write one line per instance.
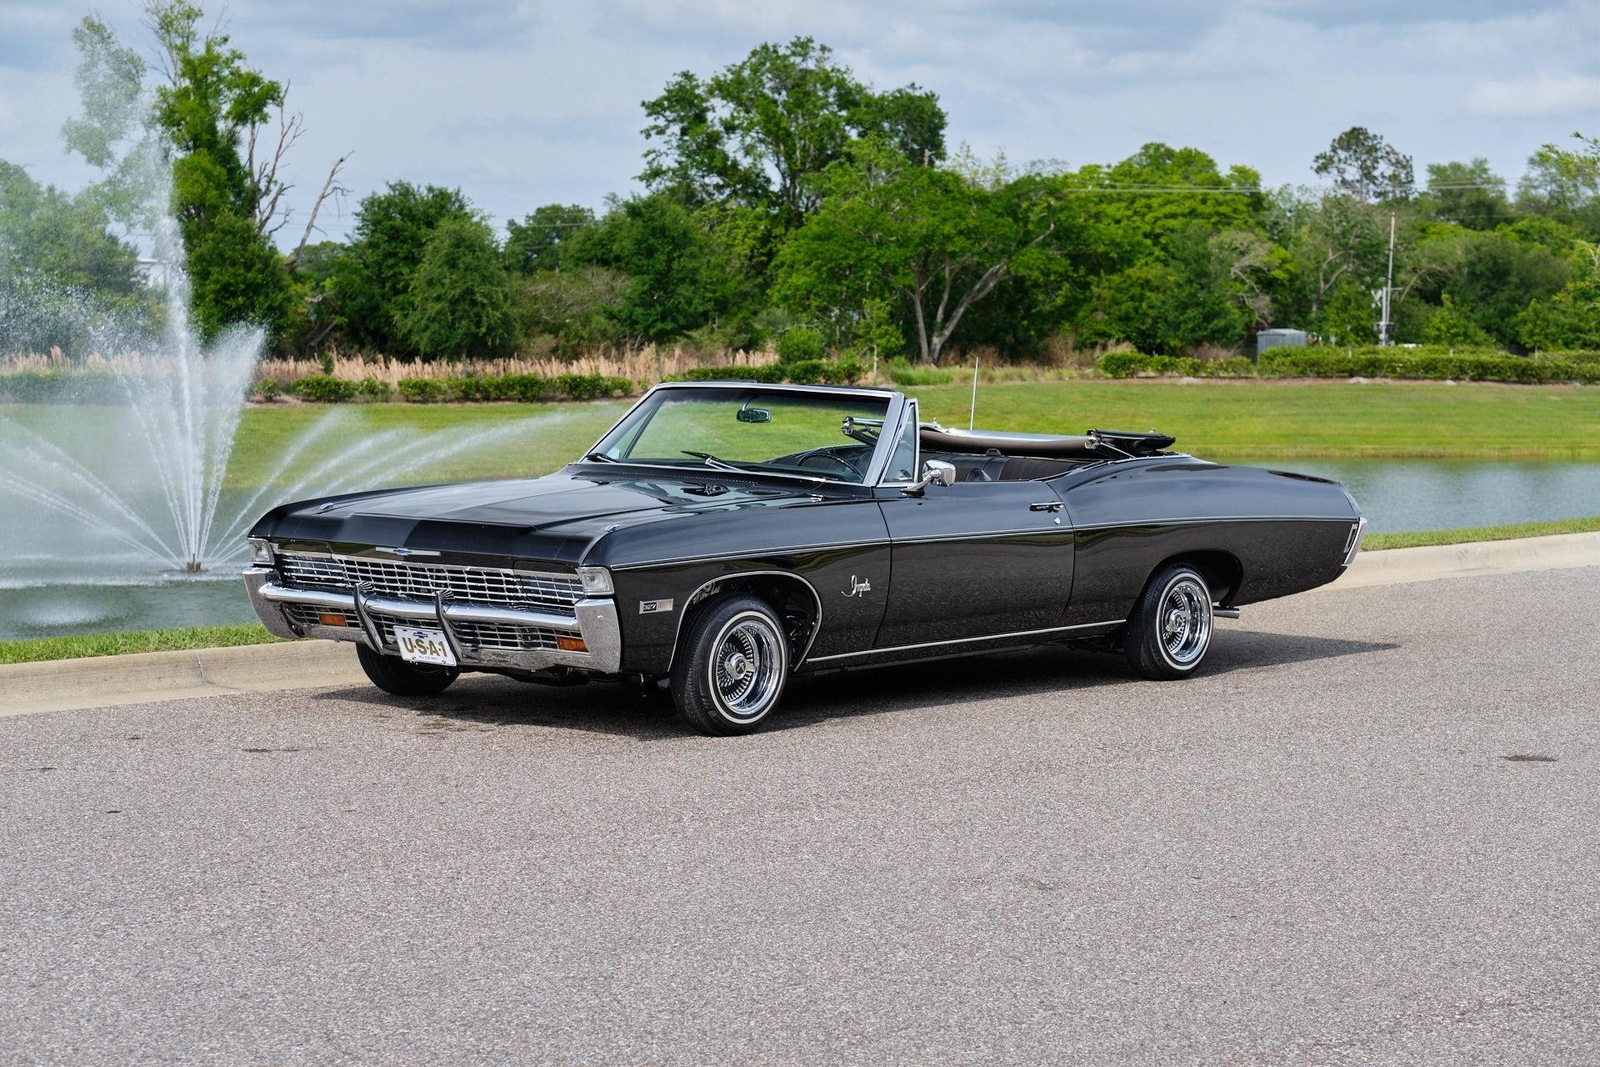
(1367, 834)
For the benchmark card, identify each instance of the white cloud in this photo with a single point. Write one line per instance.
(1544, 93)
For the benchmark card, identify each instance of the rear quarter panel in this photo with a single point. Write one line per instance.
(1285, 533)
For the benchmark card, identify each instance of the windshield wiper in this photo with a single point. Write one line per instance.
(599, 457)
(711, 461)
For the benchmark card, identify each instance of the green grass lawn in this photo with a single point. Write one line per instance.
(48, 648)
(1420, 538)
(1306, 419)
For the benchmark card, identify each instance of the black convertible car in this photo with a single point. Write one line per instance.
(725, 536)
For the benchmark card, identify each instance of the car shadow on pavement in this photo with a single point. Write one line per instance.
(479, 702)
(1242, 649)
(482, 701)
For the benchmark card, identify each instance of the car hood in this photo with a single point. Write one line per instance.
(555, 517)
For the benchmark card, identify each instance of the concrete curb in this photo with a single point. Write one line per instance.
(69, 684)
(65, 685)
(1397, 565)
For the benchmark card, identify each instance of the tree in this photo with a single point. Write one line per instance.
(1449, 326)
(1335, 241)
(759, 132)
(536, 243)
(1193, 295)
(387, 244)
(1365, 166)
(110, 134)
(576, 306)
(63, 241)
(918, 235)
(1571, 318)
(457, 301)
(212, 121)
(64, 276)
(1565, 182)
(211, 108)
(1160, 192)
(1467, 194)
(219, 113)
(675, 280)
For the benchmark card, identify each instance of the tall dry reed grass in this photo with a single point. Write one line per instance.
(646, 365)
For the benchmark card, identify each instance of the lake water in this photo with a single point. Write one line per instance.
(1395, 495)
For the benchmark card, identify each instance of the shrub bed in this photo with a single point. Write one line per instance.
(800, 372)
(523, 388)
(62, 387)
(1482, 365)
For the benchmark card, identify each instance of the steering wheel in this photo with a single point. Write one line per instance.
(839, 462)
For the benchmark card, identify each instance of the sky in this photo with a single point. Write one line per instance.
(520, 104)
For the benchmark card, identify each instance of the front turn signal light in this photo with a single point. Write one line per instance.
(571, 644)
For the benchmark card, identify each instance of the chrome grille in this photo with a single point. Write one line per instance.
(419, 581)
(474, 635)
(480, 635)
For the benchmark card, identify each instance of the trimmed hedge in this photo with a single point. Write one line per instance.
(770, 374)
(802, 372)
(1400, 363)
(523, 388)
(62, 387)
(322, 389)
(1137, 364)
(1406, 363)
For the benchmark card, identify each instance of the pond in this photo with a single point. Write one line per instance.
(117, 592)
(1397, 495)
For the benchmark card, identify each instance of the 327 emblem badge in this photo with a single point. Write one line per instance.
(858, 586)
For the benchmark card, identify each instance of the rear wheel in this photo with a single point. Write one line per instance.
(394, 675)
(1169, 632)
(731, 668)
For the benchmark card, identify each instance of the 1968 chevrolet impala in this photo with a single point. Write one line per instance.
(725, 536)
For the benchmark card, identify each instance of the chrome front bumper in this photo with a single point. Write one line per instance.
(595, 621)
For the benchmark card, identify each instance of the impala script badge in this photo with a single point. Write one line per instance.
(858, 586)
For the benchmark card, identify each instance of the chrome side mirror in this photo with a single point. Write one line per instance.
(934, 471)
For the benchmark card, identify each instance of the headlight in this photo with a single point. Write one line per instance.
(596, 581)
(261, 551)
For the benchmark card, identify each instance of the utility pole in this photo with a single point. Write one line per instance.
(1386, 327)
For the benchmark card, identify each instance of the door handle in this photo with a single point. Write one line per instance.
(1046, 505)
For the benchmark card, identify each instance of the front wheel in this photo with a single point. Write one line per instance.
(1169, 631)
(731, 668)
(394, 675)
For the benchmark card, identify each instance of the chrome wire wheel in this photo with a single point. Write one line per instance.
(746, 666)
(731, 665)
(1185, 621)
(1169, 630)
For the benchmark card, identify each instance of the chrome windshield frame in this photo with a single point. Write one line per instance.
(894, 414)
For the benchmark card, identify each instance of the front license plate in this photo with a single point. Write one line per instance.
(419, 645)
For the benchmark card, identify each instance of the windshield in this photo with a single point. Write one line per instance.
(755, 429)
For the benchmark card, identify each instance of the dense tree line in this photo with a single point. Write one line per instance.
(785, 198)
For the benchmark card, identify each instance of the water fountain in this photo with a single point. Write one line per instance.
(127, 489)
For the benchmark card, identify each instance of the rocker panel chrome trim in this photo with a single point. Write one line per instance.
(969, 640)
